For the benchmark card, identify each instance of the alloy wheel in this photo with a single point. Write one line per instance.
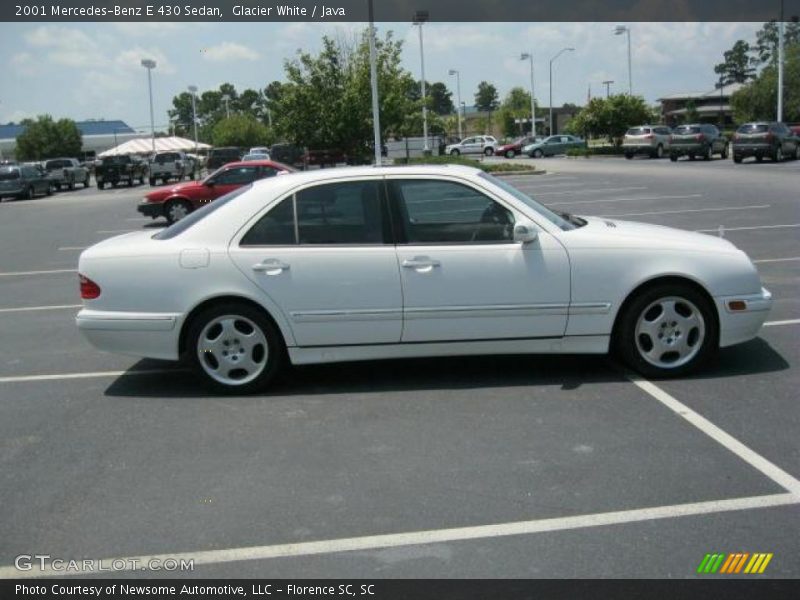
(670, 332)
(232, 350)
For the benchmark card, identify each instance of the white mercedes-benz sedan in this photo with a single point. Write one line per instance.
(371, 263)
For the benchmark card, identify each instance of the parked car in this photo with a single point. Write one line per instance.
(66, 172)
(699, 139)
(171, 165)
(763, 139)
(653, 140)
(304, 267)
(477, 144)
(515, 147)
(114, 170)
(288, 154)
(255, 156)
(221, 156)
(23, 181)
(177, 201)
(259, 150)
(553, 145)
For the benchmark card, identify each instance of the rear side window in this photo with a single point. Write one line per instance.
(753, 128)
(337, 214)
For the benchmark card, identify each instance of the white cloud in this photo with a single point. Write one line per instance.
(143, 29)
(65, 46)
(228, 51)
(24, 63)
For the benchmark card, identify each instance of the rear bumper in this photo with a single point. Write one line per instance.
(8, 192)
(752, 149)
(681, 149)
(151, 209)
(639, 149)
(150, 335)
(738, 326)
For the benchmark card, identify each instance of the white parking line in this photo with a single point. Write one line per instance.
(95, 375)
(776, 260)
(771, 470)
(21, 273)
(68, 248)
(641, 198)
(782, 226)
(37, 308)
(690, 210)
(433, 536)
(593, 191)
(778, 323)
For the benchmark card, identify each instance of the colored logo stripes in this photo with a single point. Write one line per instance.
(737, 562)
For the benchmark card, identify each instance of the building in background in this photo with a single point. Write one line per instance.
(711, 107)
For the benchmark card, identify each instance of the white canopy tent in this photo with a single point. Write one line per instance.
(163, 144)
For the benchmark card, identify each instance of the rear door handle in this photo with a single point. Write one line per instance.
(271, 266)
(421, 263)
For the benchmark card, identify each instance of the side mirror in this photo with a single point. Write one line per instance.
(525, 233)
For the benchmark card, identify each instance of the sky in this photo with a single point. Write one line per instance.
(92, 70)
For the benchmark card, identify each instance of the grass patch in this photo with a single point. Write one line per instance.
(467, 162)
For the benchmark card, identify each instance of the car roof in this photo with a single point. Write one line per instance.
(258, 163)
(370, 171)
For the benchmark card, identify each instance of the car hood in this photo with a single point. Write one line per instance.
(617, 233)
(185, 188)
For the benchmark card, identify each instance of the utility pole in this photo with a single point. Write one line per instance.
(420, 17)
(529, 56)
(373, 79)
(780, 65)
(608, 83)
(458, 97)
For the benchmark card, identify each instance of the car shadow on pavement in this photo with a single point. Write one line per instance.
(466, 372)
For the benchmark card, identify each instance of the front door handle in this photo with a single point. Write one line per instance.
(422, 264)
(271, 266)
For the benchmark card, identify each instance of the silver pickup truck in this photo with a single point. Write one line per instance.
(171, 165)
(66, 172)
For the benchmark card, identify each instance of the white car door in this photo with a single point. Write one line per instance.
(321, 256)
(463, 276)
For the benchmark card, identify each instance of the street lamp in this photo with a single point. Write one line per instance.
(608, 83)
(150, 64)
(226, 98)
(529, 56)
(193, 91)
(619, 30)
(458, 97)
(420, 17)
(780, 65)
(551, 83)
(373, 80)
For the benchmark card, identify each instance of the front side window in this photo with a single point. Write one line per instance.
(332, 214)
(443, 212)
(236, 176)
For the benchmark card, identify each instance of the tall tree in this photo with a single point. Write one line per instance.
(45, 138)
(737, 66)
(611, 116)
(765, 49)
(240, 130)
(440, 99)
(516, 105)
(486, 98)
(758, 100)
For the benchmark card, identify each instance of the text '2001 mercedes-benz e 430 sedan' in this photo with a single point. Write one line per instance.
(390, 262)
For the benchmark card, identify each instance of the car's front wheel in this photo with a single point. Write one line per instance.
(175, 210)
(666, 331)
(454, 152)
(489, 151)
(537, 153)
(235, 348)
(510, 154)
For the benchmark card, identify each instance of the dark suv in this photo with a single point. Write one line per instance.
(218, 157)
(697, 140)
(774, 140)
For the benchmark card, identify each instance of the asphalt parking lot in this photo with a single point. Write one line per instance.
(522, 466)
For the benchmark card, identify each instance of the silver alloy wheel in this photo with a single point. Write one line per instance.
(779, 154)
(177, 211)
(670, 332)
(660, 151)
(232, 350)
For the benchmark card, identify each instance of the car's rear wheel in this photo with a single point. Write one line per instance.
(660, 151)
(724, 153)
(691, 156)
(71, 184)
(777, 156)
(454, 152)
(709, 153)
(629, 155)
(235, 348)
(175, 210)
(538, 153)
(737, 159)
(510, 154)
(759, 158)
(29, 193)
(667, 331)
(673, 157)
(489, 151)
(87, 182)
(100, 185)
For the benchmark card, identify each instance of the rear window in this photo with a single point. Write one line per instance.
(198, 215)
(9, 174)
(684, 129)
(638, 131)
(165, 158)
(753, 128)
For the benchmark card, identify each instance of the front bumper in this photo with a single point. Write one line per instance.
(151, 209)
(737, 326)
(149, 335)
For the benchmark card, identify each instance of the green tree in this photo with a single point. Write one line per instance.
(691, 116)
(486, 98)
(440, 98)
(611, 117)
(240, 130)
(758, 100)
(765, 49)
(737, 65)
(516, 105)
(45, 138)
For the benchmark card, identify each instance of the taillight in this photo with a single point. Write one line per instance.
(769, 137)
(89, 289)
(649, 136)
(699, 137)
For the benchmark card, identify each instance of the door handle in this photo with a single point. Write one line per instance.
(421, 263)
(271, 266)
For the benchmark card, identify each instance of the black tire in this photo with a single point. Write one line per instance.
(659, 152)
(737, 159)
(709, 153)
(30, 194)
(724, 153)
(87, 182)
(100, 185)
(48, 191)
(777, 156)
(673, 157)
(629, 155)
(489, 151)
(759, 158)
(169, 212)
(510, 154)
(152, 182)
(455, 152)
(692, 156)
(275, 358)
(624, 340)
(538, 153)
(71, 184)
(141, 180)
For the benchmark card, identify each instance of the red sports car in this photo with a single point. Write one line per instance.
(177, 201)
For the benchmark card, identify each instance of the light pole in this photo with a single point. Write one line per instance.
(551, 83)
(150, 64)
(227, 98)
(608, 83)
(419, 18)
(193, 91)
(373, 80)
(780, 66)
(529, 56)
(458, 98)
(619, 30)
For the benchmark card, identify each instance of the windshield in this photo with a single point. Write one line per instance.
(9, 174)
(540, 209)
(753, 128)
(198, 215)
